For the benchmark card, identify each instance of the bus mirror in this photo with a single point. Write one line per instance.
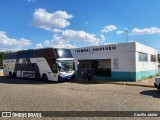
(59, 64)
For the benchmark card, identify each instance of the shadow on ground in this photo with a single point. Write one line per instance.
(7, 80)
(89, 82)
(154, 93)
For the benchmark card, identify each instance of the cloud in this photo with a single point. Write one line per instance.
(152, 30)
(39, 45)
(32, 0)
(119, 32)
(102, 38)
(50, 21)
(79, 36)
(56, 30)
(7, 43)
(60, 44)
(68, 38)
(86, 22)
(109, 43)
(109, 28)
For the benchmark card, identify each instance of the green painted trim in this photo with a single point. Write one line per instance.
(126, 76)
(146, 74)
(118, 76)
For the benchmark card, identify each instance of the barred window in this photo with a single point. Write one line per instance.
(143, 57)
(153, 58)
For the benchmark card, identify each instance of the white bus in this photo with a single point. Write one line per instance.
(48, 64)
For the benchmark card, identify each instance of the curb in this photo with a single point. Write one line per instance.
(129, 84)
(132, 84)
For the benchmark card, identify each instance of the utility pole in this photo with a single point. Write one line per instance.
(86, 40)
(126, 31)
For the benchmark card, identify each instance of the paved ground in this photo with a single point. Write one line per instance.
(30, 95)
(145, 83)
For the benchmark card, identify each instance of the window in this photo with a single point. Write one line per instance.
(54, 67)
(103, 68)
(143, 57)
(50, 54)
(153, 58)
(4, 66)
(63, 53)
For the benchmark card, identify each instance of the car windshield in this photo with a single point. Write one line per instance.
(65, 65)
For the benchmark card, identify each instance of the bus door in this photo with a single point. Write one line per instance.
(6, 69)
(54, 75)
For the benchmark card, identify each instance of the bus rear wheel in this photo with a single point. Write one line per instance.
(14, 75)
(44, 77)
(10, 74)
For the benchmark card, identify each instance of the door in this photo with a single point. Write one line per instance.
(6, 70)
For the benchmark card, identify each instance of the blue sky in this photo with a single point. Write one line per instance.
(28, 24)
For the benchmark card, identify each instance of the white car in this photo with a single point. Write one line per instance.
(157, 82)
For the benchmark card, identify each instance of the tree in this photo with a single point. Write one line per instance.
(1, 59)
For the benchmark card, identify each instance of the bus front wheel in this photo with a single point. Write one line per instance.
(44, 77)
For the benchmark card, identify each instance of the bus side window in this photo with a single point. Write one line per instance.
(4, 66)
(55, 68)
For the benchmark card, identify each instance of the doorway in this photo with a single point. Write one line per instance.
(100, 67)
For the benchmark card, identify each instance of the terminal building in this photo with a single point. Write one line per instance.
(130, 61)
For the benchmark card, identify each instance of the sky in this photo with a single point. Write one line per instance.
(30, 24)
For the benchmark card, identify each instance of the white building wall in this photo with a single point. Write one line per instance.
(123, 55)
(124, 58)
(145, 66)
(145, 69)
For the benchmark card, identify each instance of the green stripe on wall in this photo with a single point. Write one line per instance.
(145, 74)
(128, 76)
(119, 76)
(124, 76)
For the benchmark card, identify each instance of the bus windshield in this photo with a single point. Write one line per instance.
(65, 65)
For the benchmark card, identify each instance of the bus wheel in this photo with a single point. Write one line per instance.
(37, 76)
(44, 77)
(10, 74)
(14, 75)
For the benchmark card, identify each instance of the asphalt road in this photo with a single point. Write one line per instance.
(31, 95)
